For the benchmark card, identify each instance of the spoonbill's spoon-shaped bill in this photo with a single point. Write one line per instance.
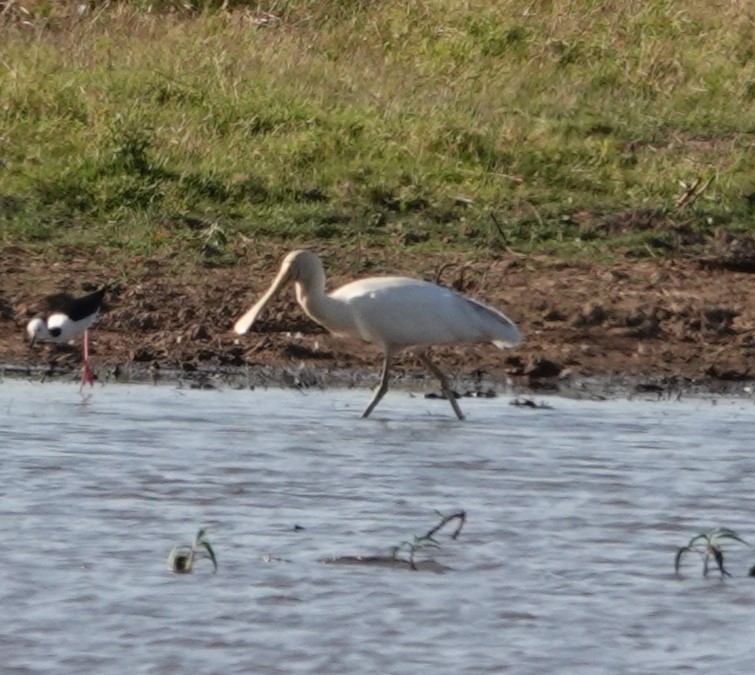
(394, 313)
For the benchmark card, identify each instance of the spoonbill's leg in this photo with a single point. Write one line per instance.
(86, 375)
(443, 382)
(383, 384)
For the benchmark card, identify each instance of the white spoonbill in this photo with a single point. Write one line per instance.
(68, 318)
(395, 313)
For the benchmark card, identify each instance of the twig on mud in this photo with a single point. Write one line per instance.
(439, 272)
(457, 284)
(692, 192)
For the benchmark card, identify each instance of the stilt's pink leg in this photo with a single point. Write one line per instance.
(86, 375)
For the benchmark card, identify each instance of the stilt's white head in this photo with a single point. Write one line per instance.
(36, 329)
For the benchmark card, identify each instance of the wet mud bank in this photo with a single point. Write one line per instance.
(651, 328)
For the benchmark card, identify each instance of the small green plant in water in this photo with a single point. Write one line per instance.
(181, 559)
(709, 545)
(406, 550)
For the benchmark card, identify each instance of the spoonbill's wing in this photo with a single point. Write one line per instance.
(403, 312)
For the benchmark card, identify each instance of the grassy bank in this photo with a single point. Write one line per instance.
(571, 127)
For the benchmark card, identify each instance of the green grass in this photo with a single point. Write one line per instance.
(436, 124)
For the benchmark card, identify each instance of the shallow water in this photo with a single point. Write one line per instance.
(565, 564)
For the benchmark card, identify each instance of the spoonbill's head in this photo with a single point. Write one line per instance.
(301, 267)
(36, 329)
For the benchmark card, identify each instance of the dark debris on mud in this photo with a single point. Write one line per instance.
(589, 329)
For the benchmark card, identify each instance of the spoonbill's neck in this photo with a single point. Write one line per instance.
(335, 315)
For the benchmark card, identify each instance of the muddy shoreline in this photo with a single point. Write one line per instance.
(653, 328)
(419, 384)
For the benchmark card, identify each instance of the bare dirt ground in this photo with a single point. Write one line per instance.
(654, 323)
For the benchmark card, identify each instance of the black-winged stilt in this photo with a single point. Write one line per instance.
(68, 318)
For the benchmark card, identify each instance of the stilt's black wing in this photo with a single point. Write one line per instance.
(75, 308)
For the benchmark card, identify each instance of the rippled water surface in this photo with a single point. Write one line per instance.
(565, 565)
